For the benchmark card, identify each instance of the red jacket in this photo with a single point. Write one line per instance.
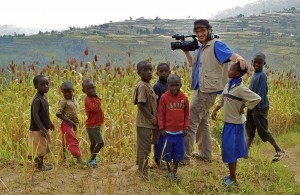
(94, 113)
(173, 112)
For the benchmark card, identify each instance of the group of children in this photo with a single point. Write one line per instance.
(172, 117)
(40, 124)
(162, 118)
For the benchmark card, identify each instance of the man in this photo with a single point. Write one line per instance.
(209, 76)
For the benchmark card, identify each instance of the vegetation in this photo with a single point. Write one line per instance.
(115, 86)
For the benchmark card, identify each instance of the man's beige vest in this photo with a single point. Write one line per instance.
(213, 75)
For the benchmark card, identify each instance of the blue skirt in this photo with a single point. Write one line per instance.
(234, 144)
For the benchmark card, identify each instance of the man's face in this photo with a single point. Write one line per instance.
(202, 34)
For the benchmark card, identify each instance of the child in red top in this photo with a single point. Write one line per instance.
(95, 119)
(173, 122)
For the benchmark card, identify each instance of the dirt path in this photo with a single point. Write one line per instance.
(292, 160)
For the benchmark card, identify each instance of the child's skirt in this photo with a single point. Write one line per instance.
(234, 144)
(38, 145)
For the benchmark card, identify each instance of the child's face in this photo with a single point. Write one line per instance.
(174, 86)
(258, 63)
(163, 72)
(68, 93)
(43, 85)
(90, 89)
(145, 72)
(233, 73)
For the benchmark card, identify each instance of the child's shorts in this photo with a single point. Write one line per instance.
(171, 147)
(38, 144)
(95, 135)
(234, 144)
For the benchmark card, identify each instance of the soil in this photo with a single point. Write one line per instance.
(118, 178)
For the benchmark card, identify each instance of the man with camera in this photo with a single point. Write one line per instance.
(209, 76)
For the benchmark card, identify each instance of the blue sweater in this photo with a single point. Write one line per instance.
(160, 87)
(259, 85)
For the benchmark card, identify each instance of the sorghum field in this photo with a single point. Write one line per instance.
(116, 174)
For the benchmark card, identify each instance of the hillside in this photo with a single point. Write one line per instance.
(258, 7)
(277, 34)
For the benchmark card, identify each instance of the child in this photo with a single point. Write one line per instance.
(67, 112)
(257, 117)
(160, 87)
(173, 122)
(95, 119)
(40, 123)
(235, 98)
(146, 100)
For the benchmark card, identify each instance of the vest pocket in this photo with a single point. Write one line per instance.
(212, 81)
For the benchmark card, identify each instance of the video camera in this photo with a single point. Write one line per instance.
(184, 45)
(188, 45)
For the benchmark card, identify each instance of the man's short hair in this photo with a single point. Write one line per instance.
(85, 82)
(162, 64)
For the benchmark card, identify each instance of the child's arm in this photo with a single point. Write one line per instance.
(161, 115)
(250, 98)
(186, 116)
(217, 108)
(36, 104)
(214, 113)
(60, 115)
(93, 104)
(146, 113)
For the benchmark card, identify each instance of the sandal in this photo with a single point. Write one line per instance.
(278, 156)
(229, 183)
(177, 177)
(226, 177)
(169, 175)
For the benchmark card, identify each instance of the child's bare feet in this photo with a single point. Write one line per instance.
(80, 161)
(43, 167)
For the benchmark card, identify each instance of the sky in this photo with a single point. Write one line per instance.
(61, 14)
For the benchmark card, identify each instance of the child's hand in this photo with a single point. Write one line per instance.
(162, 132)
(185, 132)
(52, 126)
(214, 115)
(153, 121)
(71, 123)
(43, 132)
(242, 109)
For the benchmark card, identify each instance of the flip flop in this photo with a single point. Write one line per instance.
(278, 156)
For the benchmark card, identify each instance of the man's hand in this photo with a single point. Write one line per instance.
(242, 62)
(162, 132)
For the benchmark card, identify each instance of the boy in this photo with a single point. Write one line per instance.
(160, 87)
(67, 112)
(95, 119)
(146, 100)
(257, 117)
(173, 122)
(235, 98)
(40, 123)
